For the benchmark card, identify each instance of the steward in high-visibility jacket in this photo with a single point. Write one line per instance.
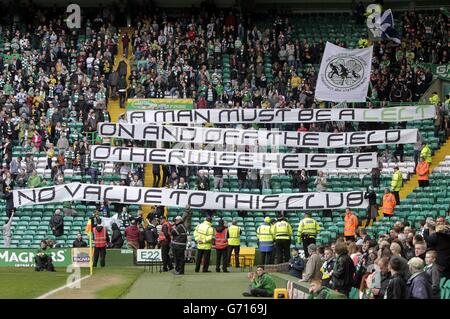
(282, 231)
(221, 246)
(397, 180)
(434, 98)
(389, 203)
(422, 171)
(203, 235)
(308, 229)
(426, 153)
(350, 225)
(101, 240)
(265, 236)
(234, 242)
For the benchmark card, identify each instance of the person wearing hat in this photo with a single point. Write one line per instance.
(203, 234)
(372, 209)
(397, 184)
(282, 232)
(265, 236)
(234, 242)
(422, 171)
(308, 229)
(57, 224)
(389, 203)
(179, 241)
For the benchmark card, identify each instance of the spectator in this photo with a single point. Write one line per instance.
(57, 224)
(218, 178)
(262, 284)
(34, 180)
(321, 182)
(396, 250)
(313, 264)
(318, 291)
(296, 264)
(42, 259)
(343, 271)
(440, 242)
(7, 232)
(116, 237)
(380, 278)
(79, 242)
(432, 270)
(372, 209)
(420, 249)
(156, 170)
(151, 234)
(132, 236)
(419, 284)
(187, 218)
(202, 182)
(396, 288)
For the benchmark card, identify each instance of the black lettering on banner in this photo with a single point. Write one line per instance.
(183, 116)
(46, 194)
(72, 194)
(294, 199)
(355, 199)
(317, 160)
(266, 115)
(177, 194)
(187, 134)
(346, 114)
(99, 150)
(270, 202)
(24, 194)
(213, 136)
(357, 138)
(199, 158)
(244, 199)
(92, 190)
(305, 115)
(330, 198)
(111, 199)
(323, 115)
(247, 159)
(270, 160)
(138, 152)
(228, 114)
(250, 137)
(393, 136)
(152, 196)
(310, 205)
(165, 118)
(230, 134)
(123, 131)
(282, 111)
(342, 160)
(223, 198)
(290, 161)
(179, 155)
(370, 141)
(227, 159)
(335, 137)
(310, 139)
(364, 157)
(200, 118)
(134, 191)
(296, 137)
(168, 133)
(107, 129)
(158, 155)
(151, 132)
(194, 197)
(249, 112)
(135, 116)
(271, 137)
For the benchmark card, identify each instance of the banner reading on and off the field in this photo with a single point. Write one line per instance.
(203, 135)
(288, 161)
(233, 116)
(181, 198)
(344, 74)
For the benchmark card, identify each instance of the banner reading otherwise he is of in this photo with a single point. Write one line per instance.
(344, 74)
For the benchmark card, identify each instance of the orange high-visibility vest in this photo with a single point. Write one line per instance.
(221, 241)
(351, 222)
(100, 237)
(422, 170)
(389, 203)
(162, 236)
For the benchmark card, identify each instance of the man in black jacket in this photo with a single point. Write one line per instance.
(396, 288)
(372, 209)
(151, 234)
(440, 242)
(79, 242)
(343, 271)
(57, 224)
(116, 237)
(178, 243)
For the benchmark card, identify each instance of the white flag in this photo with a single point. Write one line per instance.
(344, 74)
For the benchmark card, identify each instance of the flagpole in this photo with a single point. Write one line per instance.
(90, 253)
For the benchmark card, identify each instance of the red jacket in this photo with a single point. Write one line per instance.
(132, 233)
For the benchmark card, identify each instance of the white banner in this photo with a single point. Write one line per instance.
(344, 74)
(288, 161)
(233, 116)
(195, 199)
(203, 135)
